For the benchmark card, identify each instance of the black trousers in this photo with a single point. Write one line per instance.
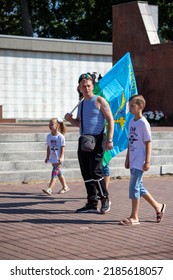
(91, 170)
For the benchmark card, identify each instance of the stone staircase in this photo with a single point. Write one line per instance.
(22, 157)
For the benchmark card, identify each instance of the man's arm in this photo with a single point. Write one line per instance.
(105, 108)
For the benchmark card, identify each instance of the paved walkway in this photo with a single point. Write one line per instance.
(36, 127)
(34, 226)
(30, 127)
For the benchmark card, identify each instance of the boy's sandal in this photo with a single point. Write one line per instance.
(129, 222)
(159, 215)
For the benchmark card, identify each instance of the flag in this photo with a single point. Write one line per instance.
(117, 86)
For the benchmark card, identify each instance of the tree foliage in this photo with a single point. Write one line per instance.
(165, 19)
(71, 19)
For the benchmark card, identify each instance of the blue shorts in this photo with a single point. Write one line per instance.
(136, 187)
(106, 170)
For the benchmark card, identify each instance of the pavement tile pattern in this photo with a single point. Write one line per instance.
(34, 226)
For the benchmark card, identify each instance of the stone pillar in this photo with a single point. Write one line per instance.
(134, 31)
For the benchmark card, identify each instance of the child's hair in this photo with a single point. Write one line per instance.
(139, 100)
(62, 126)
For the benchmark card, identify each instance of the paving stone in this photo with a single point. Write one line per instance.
(35, 226)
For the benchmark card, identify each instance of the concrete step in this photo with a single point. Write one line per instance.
(162, 135)
(41, 137)
(32, 155)
(35, 165)
(161, 151)
(166, 169)
(159, 143)
(33, 137)
(22, 157)
(69, 154)
(123, 172)
(70, 174)
(37, 175)
(157, 146)
(73, 163)
(32, 146)
(155, 160)
(156, 151)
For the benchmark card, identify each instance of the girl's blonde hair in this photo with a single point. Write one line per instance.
(139, 100)
(62, 126)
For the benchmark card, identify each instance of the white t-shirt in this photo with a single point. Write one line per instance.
(139, 133)
(55, 142)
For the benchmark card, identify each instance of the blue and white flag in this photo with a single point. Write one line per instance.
(117, 86)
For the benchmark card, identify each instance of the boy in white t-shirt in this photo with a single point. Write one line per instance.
(55, 154)
(138, 160)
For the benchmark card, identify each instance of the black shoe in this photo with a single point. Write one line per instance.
(105, 205)
(88, 208)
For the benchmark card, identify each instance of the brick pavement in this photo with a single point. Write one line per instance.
(34, 226)
(31, 127)
(37, 127)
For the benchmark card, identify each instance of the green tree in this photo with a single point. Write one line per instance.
(27, 25)
(165, 19)
(71, 19)
(10, 18)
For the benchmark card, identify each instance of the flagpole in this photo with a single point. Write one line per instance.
(76, 106)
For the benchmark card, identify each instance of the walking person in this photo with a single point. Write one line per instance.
(138, 160)
(106, 173)
(55, 154)
(105, 169)
(92, 113)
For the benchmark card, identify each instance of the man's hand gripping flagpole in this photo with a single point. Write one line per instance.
(68, 116)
